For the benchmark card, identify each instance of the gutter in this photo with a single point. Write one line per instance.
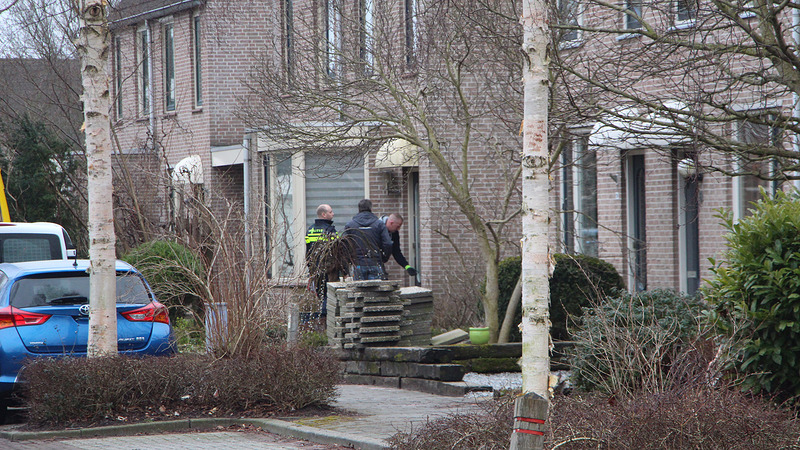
(156, 12)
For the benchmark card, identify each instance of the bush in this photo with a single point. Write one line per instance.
(578, 281)
(636, 342)
(69, 391)
(175, 273)
(692, 416)
(755, 294)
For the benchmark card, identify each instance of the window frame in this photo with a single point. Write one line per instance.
(197, 61)
(576, 21)
(629, 21)
(144, 69)
(411, 29)
(740, 206)
(118, 77)
(333, 36)
(168, 58)
(691, 13)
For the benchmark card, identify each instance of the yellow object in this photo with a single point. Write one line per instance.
(3, 203)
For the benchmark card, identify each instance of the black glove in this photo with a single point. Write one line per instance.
(412, 272)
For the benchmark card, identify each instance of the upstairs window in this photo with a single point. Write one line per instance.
(755, 173)
(569, 17)
(144, 70)
(333, 25)
(685, 12)
(410, 7)
(288, 30)
(633, 14)
(169, 68)
(198, 73)
(366, 35)
(118, 75)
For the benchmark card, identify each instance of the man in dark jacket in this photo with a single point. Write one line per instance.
(393, 223)
(370, 241)
(318, 251)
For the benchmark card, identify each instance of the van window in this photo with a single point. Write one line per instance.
(29, 247)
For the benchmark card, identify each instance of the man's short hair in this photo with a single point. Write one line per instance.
(322, 209)
(396, 216)
(365, 205)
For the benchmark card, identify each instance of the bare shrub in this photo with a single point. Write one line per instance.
(90, 390)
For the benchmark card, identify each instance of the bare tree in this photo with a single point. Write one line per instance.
(444, 78)
(718, 79)
(93, 49)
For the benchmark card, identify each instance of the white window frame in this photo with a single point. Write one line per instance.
(411, 28)
(144, 72)
(574, 21)
(689, 21)
(367, 34)
(333, 36)
(167, 54)
(629, 182)
(682, 235)
(632, 5)
(289, 56)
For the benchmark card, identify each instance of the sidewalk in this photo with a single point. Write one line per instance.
(370, 416)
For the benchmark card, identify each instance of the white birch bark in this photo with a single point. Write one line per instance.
(535, 194)
(93, 48)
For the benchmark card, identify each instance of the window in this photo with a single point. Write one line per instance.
(332, 36)
(633, 14)
(289, 38)
(569, 16)
(118, 75)
(579, 197)
(169, 68)
(637, 223)
(298, 184)
(685, 11)
(198, 73)
(366, 38)
(758, 173)
(144, 71)
(411, 31)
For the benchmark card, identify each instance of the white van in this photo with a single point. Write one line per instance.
(34, 242)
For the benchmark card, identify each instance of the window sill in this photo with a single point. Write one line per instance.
(567, 45)
(684, 25)
(169, 115)
(197, 109)
(143, 119)
(626, 36)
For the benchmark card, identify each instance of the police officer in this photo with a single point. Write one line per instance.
(321, 232)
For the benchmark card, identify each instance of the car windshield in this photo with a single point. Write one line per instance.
(72, 289)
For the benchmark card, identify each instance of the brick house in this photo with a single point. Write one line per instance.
(658, 138)
(179, 76)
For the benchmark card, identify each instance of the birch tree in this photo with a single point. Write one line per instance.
(93, 49)
(536, 261)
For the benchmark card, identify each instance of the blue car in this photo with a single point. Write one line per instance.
(44, 312)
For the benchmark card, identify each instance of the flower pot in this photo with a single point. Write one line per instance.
(479, 336)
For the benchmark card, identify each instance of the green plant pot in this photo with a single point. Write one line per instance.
(479, 336)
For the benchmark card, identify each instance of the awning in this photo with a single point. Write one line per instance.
(397, 153)
(188, 170)
(628, 129)
(227, 156)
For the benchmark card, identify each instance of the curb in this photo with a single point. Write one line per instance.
(280, 427)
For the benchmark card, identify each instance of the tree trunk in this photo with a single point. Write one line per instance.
(535, 196)
(93, 48)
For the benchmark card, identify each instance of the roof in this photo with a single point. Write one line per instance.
(127, 12)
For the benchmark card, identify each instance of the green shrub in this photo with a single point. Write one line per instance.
(92, 390)
(578, 281)
(755, 294)
(630, 342)
(174, 271)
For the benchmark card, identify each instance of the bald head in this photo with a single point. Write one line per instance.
(325, 212)
(394, 222)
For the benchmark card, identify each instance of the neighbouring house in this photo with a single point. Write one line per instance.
(667, 113)
(183, 85)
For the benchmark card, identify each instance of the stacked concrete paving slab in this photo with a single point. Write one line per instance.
(415, 328)
(364, 314)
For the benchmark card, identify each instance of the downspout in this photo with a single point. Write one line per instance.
(795, 95)
(246, 191)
